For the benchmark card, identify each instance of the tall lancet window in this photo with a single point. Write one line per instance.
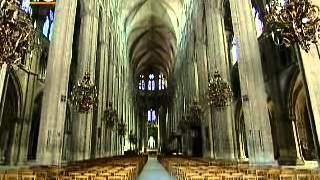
(152, 116)
(235, 50)
(142, 85)
(151, 83)
(258, 21)
(25, 6)
(162, 82)
(48, 25)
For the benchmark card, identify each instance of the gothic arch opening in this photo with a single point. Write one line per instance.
(10, 108)
(241, 137)
(271, 113)
(299, 114)
(35, 125)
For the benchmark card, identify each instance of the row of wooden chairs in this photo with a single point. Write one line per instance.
(115, 168)
(182, 168)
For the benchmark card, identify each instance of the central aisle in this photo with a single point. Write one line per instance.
(154, 170)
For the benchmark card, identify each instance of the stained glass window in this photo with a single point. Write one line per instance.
(151, 83)
(235, 50)
(162, 82)
(46, 26)
(51, 16)
(141, 83)
(258, 22)
(152, 116)
(25, 6)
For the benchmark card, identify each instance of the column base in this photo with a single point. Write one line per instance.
(290, 161)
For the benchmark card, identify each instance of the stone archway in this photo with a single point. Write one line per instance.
(271, 112)
(35, 125)
(299, 114)
(241, 133)
(10, 111)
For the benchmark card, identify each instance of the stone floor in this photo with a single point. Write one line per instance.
(153, 170)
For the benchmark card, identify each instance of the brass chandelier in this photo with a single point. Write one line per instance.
(16, 32)
(184, 123)
(219, 93)
(296, 21)
(110, 117)
(122, 129)
(195, 114)
(84, 95)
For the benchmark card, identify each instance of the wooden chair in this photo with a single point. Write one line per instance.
(115, 178)
(303, 176)
(81, 178)
(90, 175)
(100, 178)
(74, 173)
(249, 177)
(11, 176)
(214, 178)
(287, 176)
(65, 178)
(2, 175)
(28, 177)
(197, 177)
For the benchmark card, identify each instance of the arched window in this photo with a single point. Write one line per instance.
(152, 116)
(25, 6)
(162, 82)
(141, 83)
(258, 22)
(151, 83)
(51, 17)
(235, 50)
(48, 25)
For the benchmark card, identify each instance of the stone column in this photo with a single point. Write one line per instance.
(103, 43)
(3, 74)
(202, 69)
(54, 100)
(310, 64)
(258, 131)
(19, 150)
(222, 119)
(82, 122)
(110, 90)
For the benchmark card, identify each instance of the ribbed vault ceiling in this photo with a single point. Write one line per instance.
(152, 27)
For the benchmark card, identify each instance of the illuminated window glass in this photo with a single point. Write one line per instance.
(258, 22)
(141, 83)
(51, 16)
(152, 116)
(25, 6)
(151, 83)
(235, 50)
(46, 27)
(162, 82)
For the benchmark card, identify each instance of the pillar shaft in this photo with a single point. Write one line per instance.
(217, 56)
(258, 131)
(54, 104)
(82, 122)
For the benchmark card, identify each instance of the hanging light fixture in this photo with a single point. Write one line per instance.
(132, 138)
(84, 95)
(195, 114)
(219, 93)
(183, 124)
(122, 129)
(110, 117)
(295, 21)
(16, 32)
